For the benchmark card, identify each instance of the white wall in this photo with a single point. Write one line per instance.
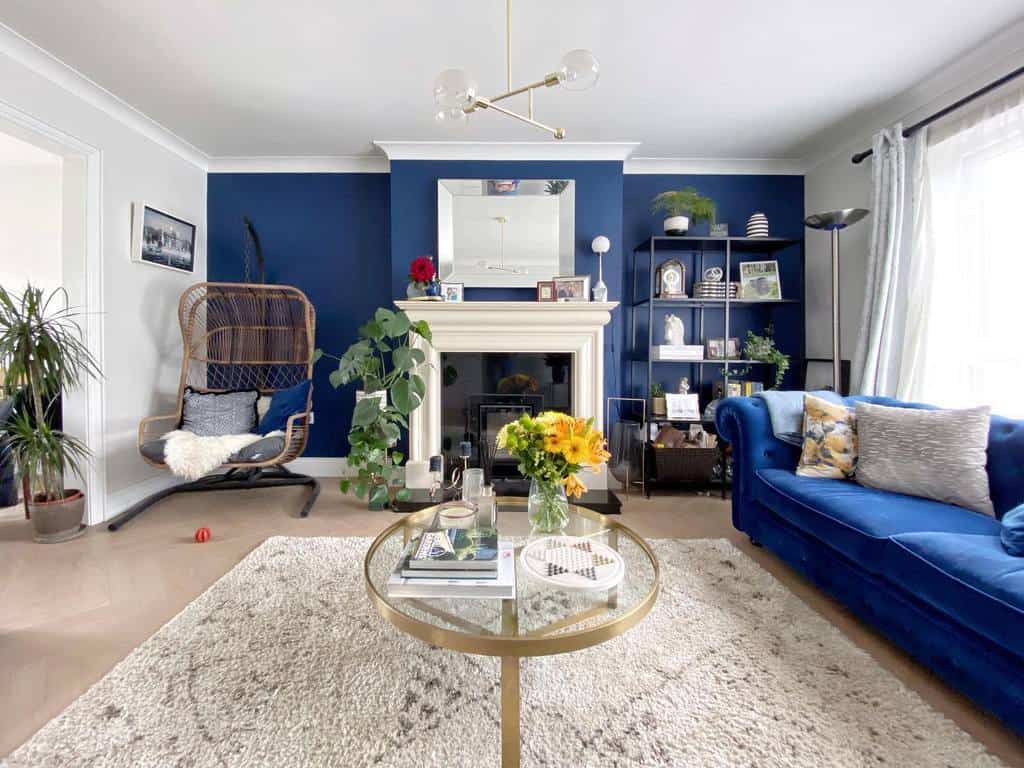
(141, 345)
(832, 182)
(30, 217)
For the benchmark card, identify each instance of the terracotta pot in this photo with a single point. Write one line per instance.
(56, 521)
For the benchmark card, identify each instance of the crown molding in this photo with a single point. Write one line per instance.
(507, 150)
(301, 164)
(44, 63)
(715, 165)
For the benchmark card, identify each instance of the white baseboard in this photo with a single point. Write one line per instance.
(119, 501)
(319, 466)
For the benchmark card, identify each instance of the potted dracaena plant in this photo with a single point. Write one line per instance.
(384, 362)
(681, 207)
(45, 353)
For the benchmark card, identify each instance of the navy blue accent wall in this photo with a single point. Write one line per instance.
(325, 233)
(347, 240)
(598, 212)
(780, 198)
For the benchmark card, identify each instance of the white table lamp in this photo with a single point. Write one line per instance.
(600, 245)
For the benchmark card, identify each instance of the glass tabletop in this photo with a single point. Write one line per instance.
(542, 619)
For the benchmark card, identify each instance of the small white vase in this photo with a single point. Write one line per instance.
(677, 225)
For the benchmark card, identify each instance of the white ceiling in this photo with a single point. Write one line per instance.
(730, 79)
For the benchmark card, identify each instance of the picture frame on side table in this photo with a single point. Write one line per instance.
(546, 290)
(452, 293)
(759, 280)
(572, 288)
(162, 239)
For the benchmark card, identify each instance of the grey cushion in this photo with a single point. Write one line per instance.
(219, 413)
(937, 455)
(263, 449)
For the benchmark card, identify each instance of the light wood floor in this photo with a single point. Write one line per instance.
(69, 612)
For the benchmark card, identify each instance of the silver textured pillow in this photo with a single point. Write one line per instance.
(219, 413)
(939, 455)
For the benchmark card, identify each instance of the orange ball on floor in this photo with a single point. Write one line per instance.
(203, 535)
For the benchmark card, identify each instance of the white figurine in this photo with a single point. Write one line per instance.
(675, 333)
(684, 386)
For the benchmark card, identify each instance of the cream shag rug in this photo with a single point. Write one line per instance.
(284, 662)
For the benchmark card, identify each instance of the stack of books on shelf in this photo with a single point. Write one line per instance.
(737, 388)
(683, 352)
(456, 563)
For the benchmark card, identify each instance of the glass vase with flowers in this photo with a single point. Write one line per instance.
(421, 277)
(552, 449)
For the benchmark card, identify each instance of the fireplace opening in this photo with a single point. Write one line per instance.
(483, 391)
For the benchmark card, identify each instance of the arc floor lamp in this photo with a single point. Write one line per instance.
(834, 221)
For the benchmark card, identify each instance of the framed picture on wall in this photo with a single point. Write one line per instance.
(162, 239)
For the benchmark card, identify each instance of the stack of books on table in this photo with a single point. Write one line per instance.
(456, 562)
(670, 352)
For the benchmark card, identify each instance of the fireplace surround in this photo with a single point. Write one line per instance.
(574, 329)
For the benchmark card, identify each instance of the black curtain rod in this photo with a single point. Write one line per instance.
(860, 156)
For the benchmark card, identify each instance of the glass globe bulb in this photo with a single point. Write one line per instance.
(579, 70)
(454, 89)
(451, 115)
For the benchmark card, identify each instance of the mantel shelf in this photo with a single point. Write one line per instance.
(505, 306)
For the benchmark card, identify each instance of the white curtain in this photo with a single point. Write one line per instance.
(896, 207)
(964, 332)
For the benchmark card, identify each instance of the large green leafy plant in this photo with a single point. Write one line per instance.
(382, 361)
(42, 345)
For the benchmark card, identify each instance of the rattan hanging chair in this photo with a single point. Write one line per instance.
(239, 336)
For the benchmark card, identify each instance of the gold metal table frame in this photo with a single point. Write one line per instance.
(511, 644)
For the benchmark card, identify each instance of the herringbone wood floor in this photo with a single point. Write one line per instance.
(69, 612)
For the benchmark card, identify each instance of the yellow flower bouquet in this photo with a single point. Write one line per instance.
(552, 448)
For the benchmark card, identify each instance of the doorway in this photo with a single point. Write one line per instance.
(50, 235)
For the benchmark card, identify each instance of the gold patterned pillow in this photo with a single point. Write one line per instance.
(830, 440)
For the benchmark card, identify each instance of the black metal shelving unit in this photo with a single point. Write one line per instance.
(643, 305)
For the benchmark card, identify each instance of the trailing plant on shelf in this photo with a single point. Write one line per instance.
(763, 348)
(680, 206)
(383, 361)
(46, 355)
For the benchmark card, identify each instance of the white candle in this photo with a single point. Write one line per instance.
(417, 474)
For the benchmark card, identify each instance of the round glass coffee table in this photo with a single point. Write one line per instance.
(541, 620)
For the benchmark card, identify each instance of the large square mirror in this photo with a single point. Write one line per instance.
(505, 233)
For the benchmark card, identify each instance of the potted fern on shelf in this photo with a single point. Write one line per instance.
(46, 356)
(681, 207)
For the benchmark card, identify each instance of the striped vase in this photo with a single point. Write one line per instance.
(757, 225)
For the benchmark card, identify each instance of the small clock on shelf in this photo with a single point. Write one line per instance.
(670, 280)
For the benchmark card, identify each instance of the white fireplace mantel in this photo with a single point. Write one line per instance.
(509, 326)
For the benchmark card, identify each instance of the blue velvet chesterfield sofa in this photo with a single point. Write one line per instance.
(934, 578)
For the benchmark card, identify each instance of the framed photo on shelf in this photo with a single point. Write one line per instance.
(546, 290)
(681, 407)
(760, 280)
(162, 239)
(452, 292)
(716, 349)
(572, 288)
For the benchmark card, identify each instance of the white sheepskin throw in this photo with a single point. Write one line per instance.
(192, 456)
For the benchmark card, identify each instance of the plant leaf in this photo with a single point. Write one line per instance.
(403, 494)
(317, 354)
(366, 412)
(402, 359)
(379, 494)
(397, 325)
(337, 379)
(422, 328)
(403, 397)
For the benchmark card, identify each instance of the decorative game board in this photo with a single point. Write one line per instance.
(573, 563)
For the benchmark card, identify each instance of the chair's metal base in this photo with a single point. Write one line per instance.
(237, 479)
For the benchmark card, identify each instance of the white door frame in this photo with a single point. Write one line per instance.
(84, 409)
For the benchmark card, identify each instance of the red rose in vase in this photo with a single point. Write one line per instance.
(421, 270)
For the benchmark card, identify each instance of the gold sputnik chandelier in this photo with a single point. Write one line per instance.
(456, 95)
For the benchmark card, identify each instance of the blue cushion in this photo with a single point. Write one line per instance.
(857, 521)
(285, 403)
(969, 578)
(1012, 532)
